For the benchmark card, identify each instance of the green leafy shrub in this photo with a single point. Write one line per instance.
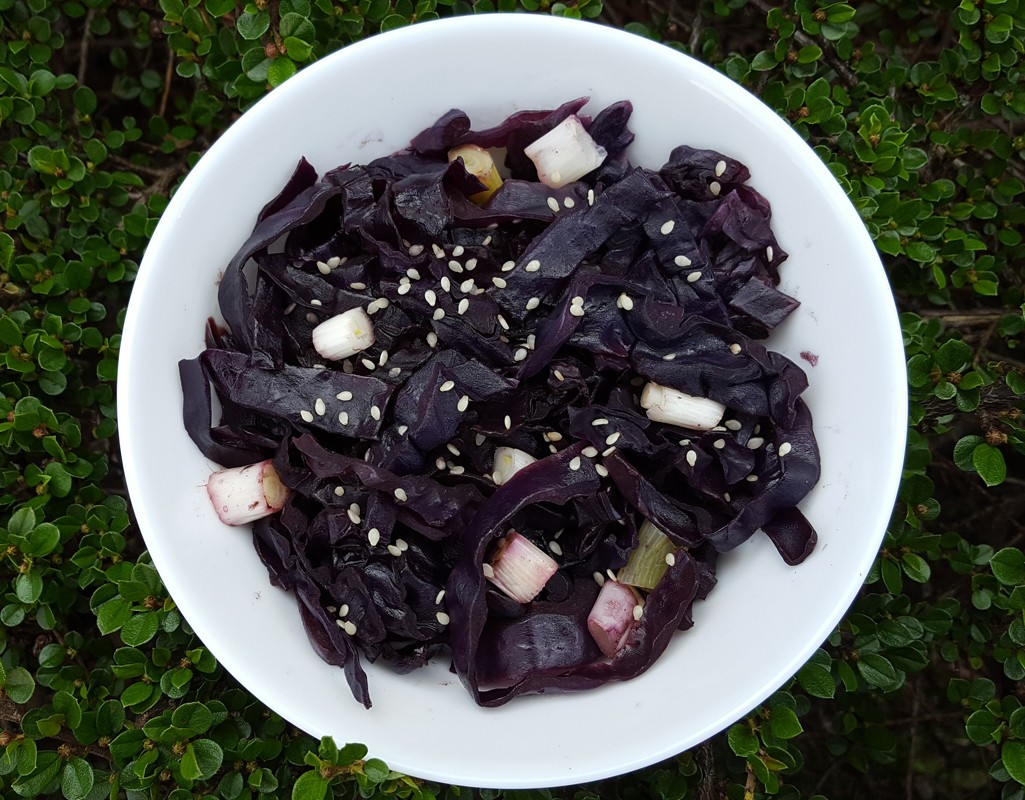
(918, 110)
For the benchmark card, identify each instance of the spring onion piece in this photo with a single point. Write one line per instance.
(479, 163)
(673, 407)
(344, 335)
(647, 563)
(509, 461)
(565, 154)
(243, 494)
(612, 616)
(519, 568)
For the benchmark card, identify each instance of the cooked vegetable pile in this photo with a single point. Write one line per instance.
(511, 415)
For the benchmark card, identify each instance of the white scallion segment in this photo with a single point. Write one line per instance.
(674, 407)
(344, 335)
(649, 560)
(479, 163)
(520, 569)
(612, 616)
(509, 461)
(243, 494)
(565, 154)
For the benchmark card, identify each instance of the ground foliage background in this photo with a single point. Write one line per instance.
(917, 107)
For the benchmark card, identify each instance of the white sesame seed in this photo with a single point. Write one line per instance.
(714, 188)
(599, 578)
(439, 314)
(601, 470)
(589, 451)
(720, 168)
(599, 421)
(340, 491)
(667, 227)
(488, 570)
(432, 339)
(694, 277)
(452, 449)
(533, 303)
(577, 311)
(569, 202)
(344, 610)
(366, 362)
(464, 304)
(553, 449)
(400, 495)
(331, 609)
(682, 261)
(440, 596)
(502, 322)
(431, 297)
(463, 404)
(500, 283)
(458, 250)
(755, 442)
(611, 575)
(324, 268)
(758, 428)
(487, 240)
(555, 547)
(394, 550)
(457, 470)
(577, 301)
(520, 354)
(726, 497)
(692, 457)
(532, 266)
(612, 438)
(608, 451)
(471, 264)
(590, 197)
(558, 375)
(575, 463)
(733, 424)
(375, 412)
(443, 618)
(383, 358)
(336, 261)
(359, 286)
(638, 611)
(769, 253)
(413, 273)
(479, 438)
(402, 429)
(401, 544)
(404, 288)
(438, 252)
(735, 348)
(319, 407)
(394, 372)
(349, 627)
(347, 366)
(315, 302)
(751, 478)
(553, 204)
(306, 415)
(466, 285)
(354, 514)
(415, 250)
(508, 422)
(669, 357)
(719, 444)
(312, 318)
(439, 462)
(289, 308)
(508, 266)
(343, 417)
(446, 284)
(455, 266)
(625, 302)
(554, 436)
(447, 386)
(784, 448)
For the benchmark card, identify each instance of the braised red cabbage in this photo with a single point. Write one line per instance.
(480, 343)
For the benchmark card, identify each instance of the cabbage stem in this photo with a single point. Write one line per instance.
(613, 616)
(479, 163)
(520, 569)
(565, 154)
(647, 563)
(243, 494)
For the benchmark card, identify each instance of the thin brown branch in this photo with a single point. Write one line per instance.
(750, 783)
(706, 761)
(168, 76)
(10, 713)
(83, 51)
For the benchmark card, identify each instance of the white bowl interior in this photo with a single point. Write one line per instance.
(763, 620)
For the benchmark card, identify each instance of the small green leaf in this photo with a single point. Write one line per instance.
(989, 463)
(915, 567)
(783, 723)
(113, 614)
(139, 629)
(763, 61)
(1013, 755)
(280, 70)
(816, 680)
(1008, 566)
(78, 779)
(742, 740)
(310, 786)
(252, 26)
(19, 685)
(28, 586)
(22, 521)
(953, 355)
(877, 671)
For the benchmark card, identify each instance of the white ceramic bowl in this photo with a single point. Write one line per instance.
(763, 620)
